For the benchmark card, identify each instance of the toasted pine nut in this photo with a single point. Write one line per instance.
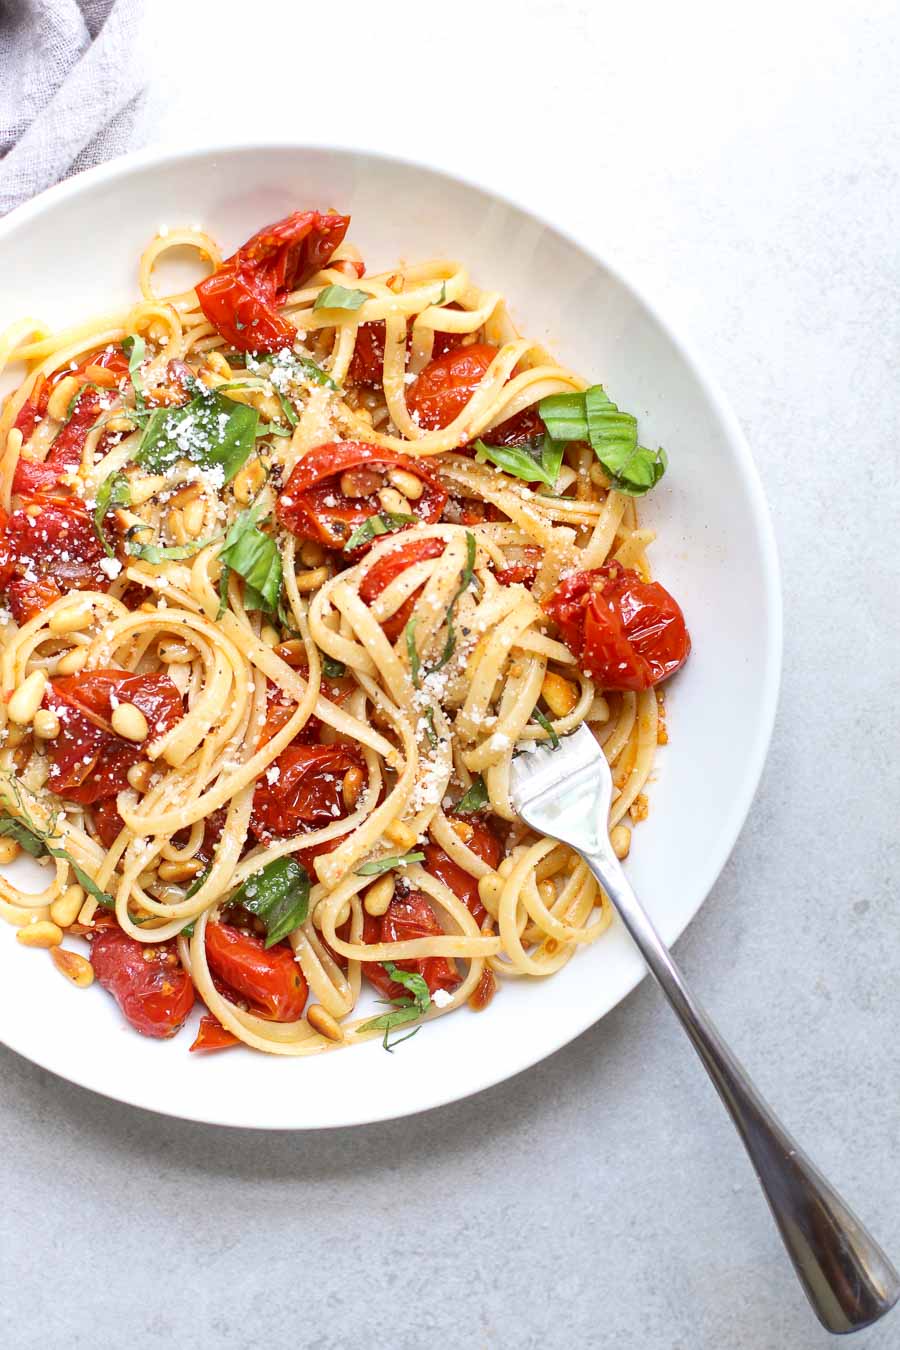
(101, 375)
(490, 889)
(40, 934)
(65, 907)
(33, 511)
(184, 495)
(129, 722)
(547, 892)
(359, 482)
(27, 698)
(640, 807)
(74, 966)
(407, 483)
(321, 1020)
(72, 662)
(379, 896)
(269, 635)
(216, 361)
(462, 829)
(312, 554)
(9, 850)
(175, 525)
(394, 501)
(121, 423)
(599, 476)
(59, 400)
(87, 912)
(248, 480)
(173, 652)
(352, 786)
(179, 871)
(180, 675)
(620, 838)
(559, 694)
(292, 652)
(312, 579)
(139, 775)
(71, 617)
(364, 415)
(193, 515)
(46, 724)
(398, 832)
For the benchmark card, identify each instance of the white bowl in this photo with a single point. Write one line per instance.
(73, 251)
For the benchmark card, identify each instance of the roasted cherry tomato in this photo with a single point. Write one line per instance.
(88, 761)
(517, 430)
(464, 886)
(408, 917)
(107, 821)
(627, 633)
(367, 362)
(242, 296)
(147, 981)
(524, 571)
(446, 384)
(301, 791)
(312, 506)
(387, 569)
(211, 1035)
(45, 554)
(270, 981)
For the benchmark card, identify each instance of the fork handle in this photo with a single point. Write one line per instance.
(847, 1277)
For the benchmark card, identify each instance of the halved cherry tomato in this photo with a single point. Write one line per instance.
(464, 886)
(211, 1035)
(88, 761)
(524, 571)
(627, 633)
(387, 569)
(107, 821)
(446, 384)
(270, 981)
(242, 296)
(44, 555)
(301, 791)
(147, 981)
(312, 506)
(517, 430)
(367, 362)
(408, 917)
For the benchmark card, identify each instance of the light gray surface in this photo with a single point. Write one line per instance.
(600, 1199)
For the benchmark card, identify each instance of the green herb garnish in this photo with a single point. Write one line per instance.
(113, 491)
(475, 799)
(340, 297)
(612, 434)
(333, 670)
(36, 842)
(412, 651)
(211, 430)
(254, 556)
(537, 462)
(279, 895)
(384, 522)
(375, 869)
(405, 1009)
(465, 582)
(543, 721)
(135, 349)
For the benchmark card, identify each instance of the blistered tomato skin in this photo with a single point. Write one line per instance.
(302, 790)
(47, 548)
(387, 569)
(445, 386)
(408, 917)
(270, 981)
(485, 844)
(627, 633)
(147, 980)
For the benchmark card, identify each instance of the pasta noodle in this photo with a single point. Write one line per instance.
(275, 630)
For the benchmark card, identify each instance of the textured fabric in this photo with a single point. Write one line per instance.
(71, 77)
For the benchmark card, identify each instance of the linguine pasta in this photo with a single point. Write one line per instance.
(290, 564)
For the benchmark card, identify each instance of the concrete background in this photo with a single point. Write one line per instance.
(746, 168)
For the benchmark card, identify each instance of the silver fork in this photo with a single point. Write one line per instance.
(566, 793)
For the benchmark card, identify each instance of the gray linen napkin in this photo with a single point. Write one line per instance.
(71, 77)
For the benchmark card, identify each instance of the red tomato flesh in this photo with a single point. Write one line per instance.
(270, 981)
(387, 569)
(45, 555)
(211, 1035)
(149, 983)
(88, 761)
(446, 384)
(627, 633)
(464, 886)
(312, 506)
(242, 296)
(408, 917)
(301, 791)
(367, 362)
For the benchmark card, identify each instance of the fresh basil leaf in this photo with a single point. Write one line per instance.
(564, 417)
(135, 349)
(340, 297)
(592, 416)
(475, 799)
(287, 365)
(543, 721)
(537, 462)
(271, 429)
(113, 491)
(279, 895)
(314, 372)
(386, 1022)
(158, 553)
(412, 651)
(429, 728)
(465, 582)
(412, 982)
(384, 522)
(11, 828)
(406, 1009)
(442, 298)
(254, 556)
(333, 670)
(211, 430)
(375, 869)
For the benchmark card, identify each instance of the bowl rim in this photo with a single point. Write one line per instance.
(160, 158)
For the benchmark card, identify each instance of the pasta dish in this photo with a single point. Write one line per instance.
(291, 565)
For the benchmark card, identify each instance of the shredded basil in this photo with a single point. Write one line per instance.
(158, 553)
(429, 727)
(543, 721)
(465, 582)
(11, 828)
(210, 430)
(612, 434)
(405, 1009)
(475, 799)
(254, 556)
(415, 664)
(279, 895)
(135, 349)
(39, 843)
(333, 670)
(375, 869)
(340, 297)
(537, 462)
(384, 522)
(113, 491)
